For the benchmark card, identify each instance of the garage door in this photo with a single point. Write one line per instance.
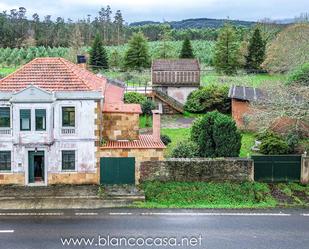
(117, 170)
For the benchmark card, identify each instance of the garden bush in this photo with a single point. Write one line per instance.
(185, 149)
(209, 98)
(166, 139)
(216, 135)
(274, 145)
(300, 76)
(134, 98)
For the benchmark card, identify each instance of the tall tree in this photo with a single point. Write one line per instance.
(256, 51)
(118, 22)
(137, 56)
(227, 51)
(98, 56)
(165, 47)
(186, 51)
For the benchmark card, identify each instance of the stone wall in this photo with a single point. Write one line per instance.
(72, 178)
(120, 126)
(141, 155)
(198, 170)
(12, 179)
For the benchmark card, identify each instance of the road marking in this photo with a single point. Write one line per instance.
(6, 231)
(217, 214)
(120, 213)
(305, 214)
(81, 214)
(31, 214)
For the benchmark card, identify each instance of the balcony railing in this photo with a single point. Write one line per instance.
(68, 131)
(5, 131)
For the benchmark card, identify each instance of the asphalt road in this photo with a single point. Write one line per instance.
(274, 229)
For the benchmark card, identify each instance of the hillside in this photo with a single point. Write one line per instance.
(197, 23)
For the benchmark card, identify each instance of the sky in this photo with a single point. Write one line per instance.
(165, 10)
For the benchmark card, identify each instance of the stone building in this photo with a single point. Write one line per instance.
(173, 80)
(57, 122)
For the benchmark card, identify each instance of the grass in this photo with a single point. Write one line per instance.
(253, 80)
(145, 122)
(4, 71)
(207, 195)
(247, 141)
(176, 136)
(223, 195)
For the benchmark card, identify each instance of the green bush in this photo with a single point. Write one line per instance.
(274, 145)
(185, 149)
(147, 107)
(216, 135)
(300, 76)
(166, 139)
(134, 98)
(292, 140)
(209, 98)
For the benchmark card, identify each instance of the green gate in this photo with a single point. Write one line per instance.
(277, 168)
(117, 170)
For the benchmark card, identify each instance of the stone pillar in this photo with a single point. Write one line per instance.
(304, 173)
(156, 126)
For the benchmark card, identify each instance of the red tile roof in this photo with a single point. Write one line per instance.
(122, 108)
(144, 142)
(52, 74)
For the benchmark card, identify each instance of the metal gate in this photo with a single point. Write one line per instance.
(117, 170)
(277, 168)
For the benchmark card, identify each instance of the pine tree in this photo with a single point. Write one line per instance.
(98, 55)
(186, 51)
(226, 51)
(256, 51)
(137, 57)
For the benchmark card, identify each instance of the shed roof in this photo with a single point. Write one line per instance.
(246, 93)
(175, 65)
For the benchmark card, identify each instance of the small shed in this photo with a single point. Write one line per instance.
(241, 97)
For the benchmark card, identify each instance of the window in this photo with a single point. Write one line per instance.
(68, 116)
(25, 120)
(68, 160)
(40, 119)
(5, 118)
(5, 160)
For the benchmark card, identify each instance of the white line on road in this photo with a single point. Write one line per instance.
(305, 214)
(81, 214)
(31, 214)
(216, 214)
(120, 213)
(6, 231)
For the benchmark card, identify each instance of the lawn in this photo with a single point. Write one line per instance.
(247, 141)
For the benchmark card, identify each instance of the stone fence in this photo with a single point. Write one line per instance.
(198, 169)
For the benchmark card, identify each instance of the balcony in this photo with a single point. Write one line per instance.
(5, 131)
(68, 131)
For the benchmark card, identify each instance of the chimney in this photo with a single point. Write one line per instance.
(81, 61)
(156, 126)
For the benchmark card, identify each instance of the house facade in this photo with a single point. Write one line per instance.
(175, 78)
(51, 124)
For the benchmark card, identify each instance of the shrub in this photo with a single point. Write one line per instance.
(209, 98)
(216, 135)
(185, 149)
(274, 145)
(300, 76)
(134, 98)
(147, 107)
(166, 139)
(292, 140)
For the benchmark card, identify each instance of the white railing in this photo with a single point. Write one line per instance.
(5, 131)
(68, 131)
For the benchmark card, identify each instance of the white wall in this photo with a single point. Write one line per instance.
(180, 93)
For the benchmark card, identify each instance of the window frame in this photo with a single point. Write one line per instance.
(68, 161)
(9, 126)
(39, 116)
(10, 162)
(62, 117)
(20, 120)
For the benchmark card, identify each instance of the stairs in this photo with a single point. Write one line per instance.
(173, 103)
